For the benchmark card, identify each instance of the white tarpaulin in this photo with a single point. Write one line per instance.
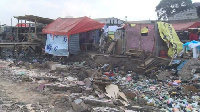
(57, 45)
(194, 46)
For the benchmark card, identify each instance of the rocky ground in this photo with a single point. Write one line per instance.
(95, 84)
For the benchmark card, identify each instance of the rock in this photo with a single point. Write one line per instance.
(141, 101)
(164, 75)
(88, 82)
(87, 90)
(186, 72)
(79, 106)
(76, 89)
(130, 95)
(82, 74)
(78, 101)
(26, 78)
(37, 65)
(57, 88)
(96, 102)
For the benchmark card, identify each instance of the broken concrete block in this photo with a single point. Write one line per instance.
(36, 65)
(79, 106)
(57, 87)
(96, 102)
(87, 90)
(26, 78)
(130, 95)
(50, 65)
(88, 82)
(76, 89)
(162, 76)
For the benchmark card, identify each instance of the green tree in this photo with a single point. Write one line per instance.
(167, 8)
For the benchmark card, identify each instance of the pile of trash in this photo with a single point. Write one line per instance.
(175, 88)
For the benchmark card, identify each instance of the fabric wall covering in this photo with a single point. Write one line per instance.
(134, 36)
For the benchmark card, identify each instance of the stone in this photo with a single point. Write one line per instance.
(88, 82)
(96, 102)
(87, 90)
(79, 106)
(162, 76)
(130, 95)
(37, 65)
(26, 78)
(76, 89)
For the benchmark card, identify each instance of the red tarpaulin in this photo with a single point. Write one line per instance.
(185, 26)
(69, 26)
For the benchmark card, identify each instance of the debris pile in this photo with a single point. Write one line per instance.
(76, 86)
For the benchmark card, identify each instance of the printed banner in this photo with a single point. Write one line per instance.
(57, 45)
(168, 34)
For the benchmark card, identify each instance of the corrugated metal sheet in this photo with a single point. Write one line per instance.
(74, 46)
(185, 26)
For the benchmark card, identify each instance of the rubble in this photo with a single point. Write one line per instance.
(77, 87)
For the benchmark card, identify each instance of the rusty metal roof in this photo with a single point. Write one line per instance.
(32, 18)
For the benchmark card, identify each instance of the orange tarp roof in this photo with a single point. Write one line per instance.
(69, 26)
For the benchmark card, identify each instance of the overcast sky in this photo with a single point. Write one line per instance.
(133, 9)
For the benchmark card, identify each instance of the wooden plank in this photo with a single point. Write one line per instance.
(111, 47)
(147, 63)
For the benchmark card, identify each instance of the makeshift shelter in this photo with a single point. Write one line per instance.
(183, 29)
(135, 39)
(68, 29)
(154, 37)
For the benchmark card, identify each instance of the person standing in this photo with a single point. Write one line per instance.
(193, 36)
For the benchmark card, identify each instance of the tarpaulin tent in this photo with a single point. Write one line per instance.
(63, 34)
(185, 26)
(69, 26)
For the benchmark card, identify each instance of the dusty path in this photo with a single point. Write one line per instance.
(19, 96)
(22, 92)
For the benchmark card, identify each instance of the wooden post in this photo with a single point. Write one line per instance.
(140, 37)
(18, 29)
(29, 30)
(125, 42)
(11, 27)
(156, 43)
(35, 27)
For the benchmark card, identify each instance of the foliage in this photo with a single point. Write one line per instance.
(167, 8)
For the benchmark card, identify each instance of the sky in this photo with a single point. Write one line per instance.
(133, 9)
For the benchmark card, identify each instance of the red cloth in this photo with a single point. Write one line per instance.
(194, 36)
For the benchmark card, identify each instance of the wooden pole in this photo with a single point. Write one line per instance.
(18, 29)
(140, 37)
(35, 27)
(156, 44)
